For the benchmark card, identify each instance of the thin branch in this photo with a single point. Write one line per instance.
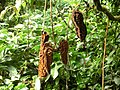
(52, 22)
(105, 10)
(45, 6)
(104, 55)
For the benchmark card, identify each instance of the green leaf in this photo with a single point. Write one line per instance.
(24, 78)
(117, 80)
(54, 71)
(111, 53)
(2, 87)
(36, 48)
(109, 60)
(13, 73)
(7, 81)
(24, 4)
(21, 86)
(2, 14)
(1, 77)
(10, 86)
(19, 26)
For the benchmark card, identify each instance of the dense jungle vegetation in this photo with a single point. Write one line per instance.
(95, 68)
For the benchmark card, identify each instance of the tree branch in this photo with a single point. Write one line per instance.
(105, 10)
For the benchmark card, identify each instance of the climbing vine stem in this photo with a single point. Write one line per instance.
(105, 38)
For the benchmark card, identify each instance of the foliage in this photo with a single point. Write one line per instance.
(21, 23)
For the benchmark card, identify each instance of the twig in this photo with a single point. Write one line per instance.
(104, 55)
(105, 10)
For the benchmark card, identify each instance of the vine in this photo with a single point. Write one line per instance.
(52, 23)
(104, 10)
(104, 55)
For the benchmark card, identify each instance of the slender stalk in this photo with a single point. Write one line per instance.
(44, 15)
(28, 24)
(104, 55)
(52, 22)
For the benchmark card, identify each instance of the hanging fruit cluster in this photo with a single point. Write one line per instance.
(80, 27)
(46, 49)
(45, 55)
(64, 51)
